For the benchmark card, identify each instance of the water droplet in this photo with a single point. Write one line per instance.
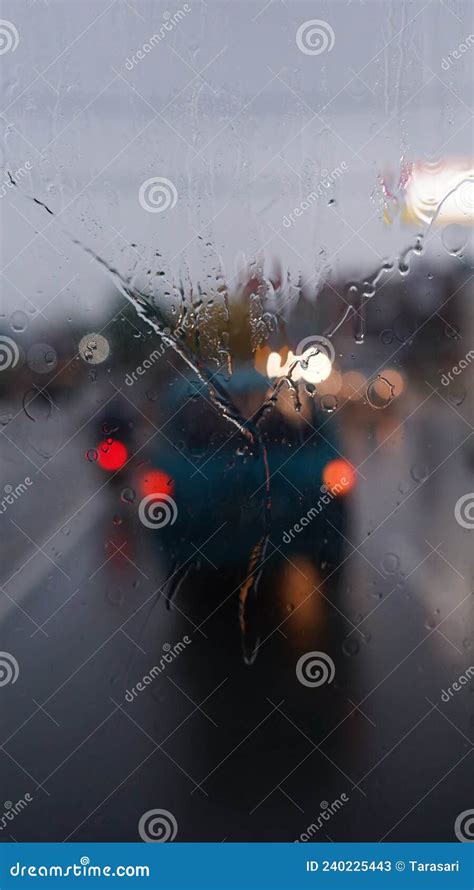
(390, 563)
(350, 646)
(454, 239)
(380, 392)
(41, 358)
(115, 596)
(18, 321)
(404, 327)
(94, 348)
(117, 520)
(92, 455)
(420, 472)
(328, 403)
(456, 394)
(452, 331)
(127, 495)
(37, 405)
(386, 337)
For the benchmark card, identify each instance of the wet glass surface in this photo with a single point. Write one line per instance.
(236, 352)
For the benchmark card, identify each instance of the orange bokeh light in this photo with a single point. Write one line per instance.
(112, 455)
(156, 482)
(339, 472)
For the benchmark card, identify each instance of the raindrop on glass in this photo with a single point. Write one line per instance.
(350, 646)
(390, 563)
(380, 392)
(18, 321)
(420, 472)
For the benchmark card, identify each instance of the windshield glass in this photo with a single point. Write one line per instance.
(236, 357)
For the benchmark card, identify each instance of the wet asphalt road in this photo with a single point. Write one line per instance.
(236, 751)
